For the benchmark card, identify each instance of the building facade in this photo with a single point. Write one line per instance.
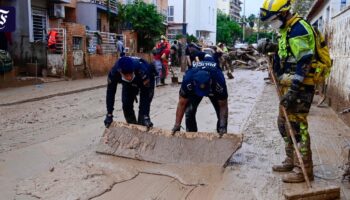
(332, 17)
(224, 6)
(62, 37)
(194, 17)
(235, 9)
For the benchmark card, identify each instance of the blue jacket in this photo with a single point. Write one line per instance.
(144, 73)
(217, 88)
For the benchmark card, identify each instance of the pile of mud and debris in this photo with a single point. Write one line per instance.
(244, 58)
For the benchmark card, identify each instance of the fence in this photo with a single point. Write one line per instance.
(104, 40)
(112, 4)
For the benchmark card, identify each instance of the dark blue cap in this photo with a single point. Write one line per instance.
(126, 65)
(201, 81)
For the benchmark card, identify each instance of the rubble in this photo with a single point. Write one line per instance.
(244, 58)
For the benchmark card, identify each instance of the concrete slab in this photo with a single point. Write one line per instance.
(159, 146)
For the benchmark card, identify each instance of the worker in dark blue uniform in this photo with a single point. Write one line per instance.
(204, 79)
(136, 76)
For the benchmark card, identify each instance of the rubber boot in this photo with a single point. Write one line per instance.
(296, 176)
(286, 166)
(288, 163)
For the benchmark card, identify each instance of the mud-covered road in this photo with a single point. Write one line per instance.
(47, 149)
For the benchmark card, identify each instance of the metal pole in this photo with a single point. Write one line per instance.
(244, 21)
(184, 31)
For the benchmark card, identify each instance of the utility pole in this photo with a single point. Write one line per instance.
(244, 21)
(257, 35)
(184, 37)
(184, 28)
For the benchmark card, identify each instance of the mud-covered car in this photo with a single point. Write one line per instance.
(6, 63)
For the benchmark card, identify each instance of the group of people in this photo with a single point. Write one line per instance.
(205, 78)
(137, 76)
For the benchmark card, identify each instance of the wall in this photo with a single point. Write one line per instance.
(322, 12)
(224, 6)
(104, 22)
(339, 85)
(87, 14)
(20, 49)
(178, 8)
(73, 29)
(130, 41)
(101, 64)
(201, 15)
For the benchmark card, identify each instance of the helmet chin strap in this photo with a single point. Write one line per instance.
(284, 17)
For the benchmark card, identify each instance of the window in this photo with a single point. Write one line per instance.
(170, 13)
(39, 24)
(77, 43)
(342, 4)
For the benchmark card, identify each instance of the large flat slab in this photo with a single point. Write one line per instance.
(159, 146)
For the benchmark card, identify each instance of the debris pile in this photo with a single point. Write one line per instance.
(246, 58)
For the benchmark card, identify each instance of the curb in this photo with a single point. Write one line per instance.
(53, 95)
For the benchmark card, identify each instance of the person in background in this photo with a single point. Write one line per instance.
(120, 47)
(161, 54)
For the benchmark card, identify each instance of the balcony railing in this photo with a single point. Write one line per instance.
(112, 4)
(60, 1)
(106, 40)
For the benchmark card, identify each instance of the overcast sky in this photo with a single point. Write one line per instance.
(252, 7)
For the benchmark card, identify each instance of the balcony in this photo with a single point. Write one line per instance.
(59, 1)
(104, 4)
(164, 13)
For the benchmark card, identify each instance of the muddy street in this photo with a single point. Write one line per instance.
(47, 148)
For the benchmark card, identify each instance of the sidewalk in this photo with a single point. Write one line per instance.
(12, 96)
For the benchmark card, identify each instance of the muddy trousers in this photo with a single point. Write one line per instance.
(191, 110)
(129, 96)
(297, 115)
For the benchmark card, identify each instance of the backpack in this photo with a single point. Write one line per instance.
(322, 62)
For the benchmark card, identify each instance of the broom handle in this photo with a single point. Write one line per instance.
(290, 128)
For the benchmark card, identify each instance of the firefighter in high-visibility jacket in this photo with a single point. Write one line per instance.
(295, 76)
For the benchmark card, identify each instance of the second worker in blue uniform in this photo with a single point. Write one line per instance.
(204, 79)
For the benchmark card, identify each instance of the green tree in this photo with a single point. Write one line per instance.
(144, 20)
(191, 38)
(227, 30)
(251, 20)
(253, 37)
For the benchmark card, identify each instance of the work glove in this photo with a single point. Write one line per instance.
(289, 98)
(108, 120)
(147, 122)
(175, 129)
